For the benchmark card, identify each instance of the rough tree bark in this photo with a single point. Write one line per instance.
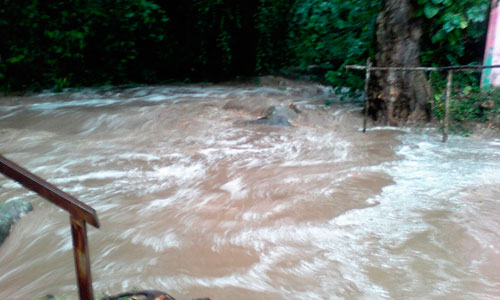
(399, 97)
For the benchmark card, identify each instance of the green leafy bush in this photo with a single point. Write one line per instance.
(468, 104)
(332, 34)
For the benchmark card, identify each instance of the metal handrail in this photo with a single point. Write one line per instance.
(80, 214)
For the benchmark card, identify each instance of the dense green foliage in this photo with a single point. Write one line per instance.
(86, 42)
(62, 43)
(67, 43)
(273, 23)
(455, 31)
(332, 34)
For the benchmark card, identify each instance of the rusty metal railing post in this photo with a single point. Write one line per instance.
(82, 260)
(80, 214)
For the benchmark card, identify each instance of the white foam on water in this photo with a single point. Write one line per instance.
(147, 157)
(276, 245)
(48, 106)
(179, 172)
(167, 239)
(97, 175)
(236, 188)
(259, 215)
(382, 128)
(181, 195)
(156, 98)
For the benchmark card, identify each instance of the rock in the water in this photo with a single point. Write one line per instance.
(9, 213)
(275, 116)
(144, 295)
(253, 106)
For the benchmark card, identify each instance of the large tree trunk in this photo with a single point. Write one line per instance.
(399, 97)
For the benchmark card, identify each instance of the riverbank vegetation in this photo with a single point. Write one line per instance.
(470, 109)
(59, 44)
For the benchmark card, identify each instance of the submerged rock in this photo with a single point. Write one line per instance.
(254, 106)
(275, 116)
(10, 212)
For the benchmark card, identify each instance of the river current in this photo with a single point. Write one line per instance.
(195, 204)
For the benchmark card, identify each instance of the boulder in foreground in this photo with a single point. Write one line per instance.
(10, 212)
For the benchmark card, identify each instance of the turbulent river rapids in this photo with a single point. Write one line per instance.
(195, 203)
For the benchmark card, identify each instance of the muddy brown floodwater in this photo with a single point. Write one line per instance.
(196, 205)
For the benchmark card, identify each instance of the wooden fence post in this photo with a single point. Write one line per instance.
(432, 95)
(367, 85)
(447, 99)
